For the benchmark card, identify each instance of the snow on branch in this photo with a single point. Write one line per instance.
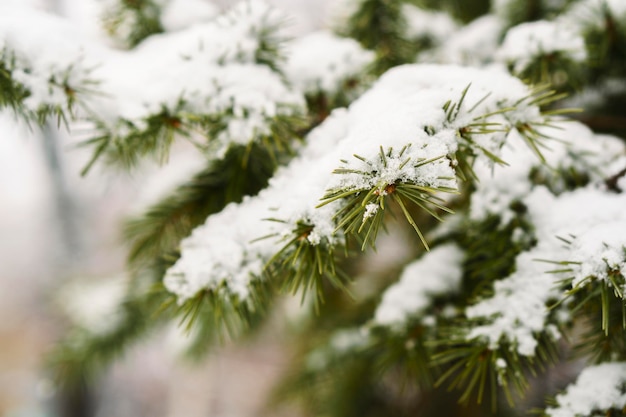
(216, 80)
(598, 390)
(397, 144)
(519, 309)
(321, 62)
(437, 273)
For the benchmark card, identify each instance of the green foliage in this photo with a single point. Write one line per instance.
(217, 315)
(13, 93)
(321, 103)
(602, 301)
(126, 150)
(491, 250)
(555, 69)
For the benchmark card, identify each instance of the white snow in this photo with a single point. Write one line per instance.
(437, 273)
(206, 71)
(474, 44)
(524, 44)
(323, 62)
(572, 146)
(597, 389)
(46, 60)
(422, 23)
(517, 311)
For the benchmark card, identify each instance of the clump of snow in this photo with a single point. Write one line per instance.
(524, 44)
(597, 390)
(437, 273)
(95, 305)
(474, 44)
(323, 62)
(50, 62)
(433, 25)
(517, 311)
(598, 252)
(403, 113)
(180, 14)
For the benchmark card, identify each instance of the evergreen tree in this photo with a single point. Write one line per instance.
(457, 121)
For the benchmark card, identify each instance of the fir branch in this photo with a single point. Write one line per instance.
(13, 93)
(605, 44)
(491, 250)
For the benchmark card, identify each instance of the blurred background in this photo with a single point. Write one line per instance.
(60, 244)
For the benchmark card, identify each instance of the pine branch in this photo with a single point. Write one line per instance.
(482, 372)
(217, 315)
(74, 82)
